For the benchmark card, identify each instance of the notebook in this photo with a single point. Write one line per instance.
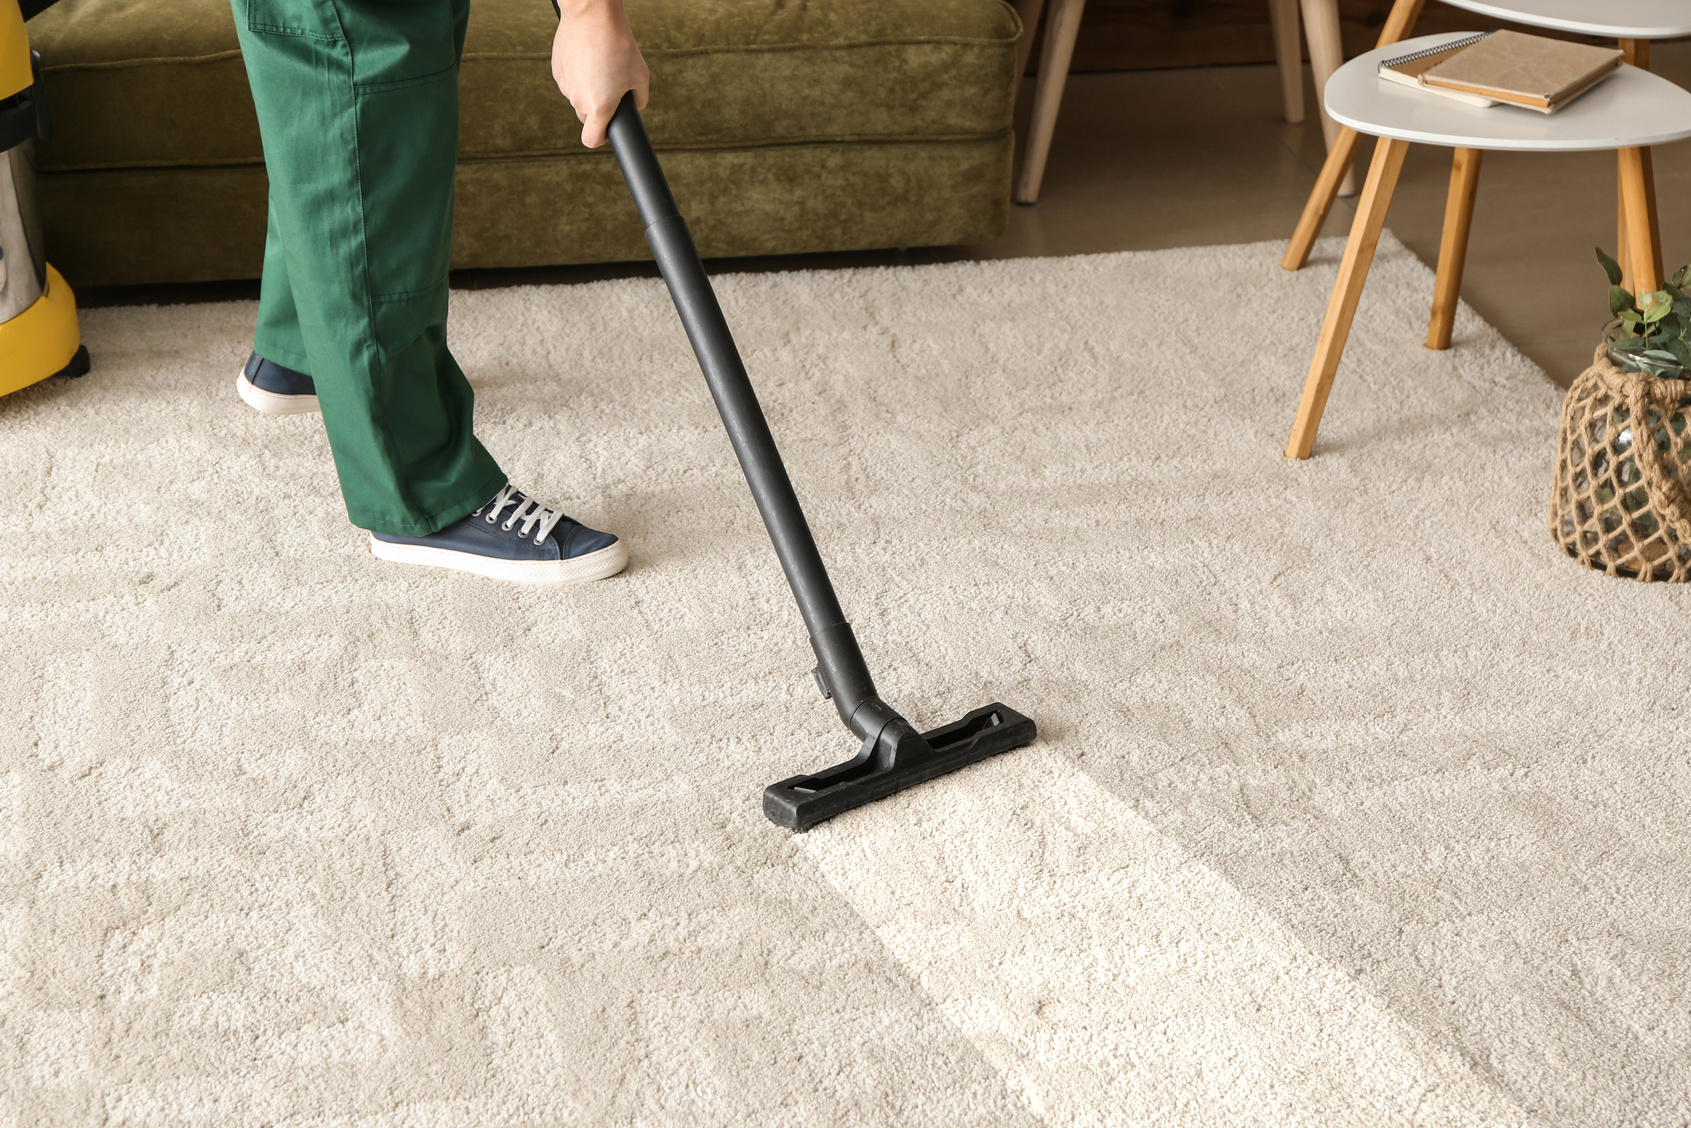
(1406, 70)
(1524, 70)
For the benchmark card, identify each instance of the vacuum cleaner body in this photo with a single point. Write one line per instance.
(893, 754)
(38, 330)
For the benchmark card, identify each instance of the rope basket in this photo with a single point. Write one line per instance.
(1622, 504)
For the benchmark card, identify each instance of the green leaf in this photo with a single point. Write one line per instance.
(1681, 352)
(1631, 316)
(1681, 276)
(1619, 299)
(1656, 305)
(1661, 355)
(1635, 345)
(1610, 267)
(1682, 306)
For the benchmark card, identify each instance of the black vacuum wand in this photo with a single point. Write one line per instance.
(893, 755)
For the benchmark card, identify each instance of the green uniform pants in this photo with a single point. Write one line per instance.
(358, 108)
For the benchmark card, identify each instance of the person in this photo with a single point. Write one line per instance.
(358, 112)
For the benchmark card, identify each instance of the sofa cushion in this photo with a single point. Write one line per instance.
(159, 83)
(122, 227)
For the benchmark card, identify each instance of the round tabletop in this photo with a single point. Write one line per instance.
(1618, 19)
(1629, 108)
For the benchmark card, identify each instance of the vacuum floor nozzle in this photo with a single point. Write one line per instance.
(803, 801)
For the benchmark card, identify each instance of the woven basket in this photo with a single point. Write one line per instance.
(1622, 505)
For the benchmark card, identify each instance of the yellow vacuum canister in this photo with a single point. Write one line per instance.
(38, 334)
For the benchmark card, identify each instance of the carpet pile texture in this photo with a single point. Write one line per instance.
(1354, 804)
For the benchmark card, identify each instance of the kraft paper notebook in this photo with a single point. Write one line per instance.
(1406, 70)
(1524, 70)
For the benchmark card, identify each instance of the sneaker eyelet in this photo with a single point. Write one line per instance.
(490, 518)
(507, 525)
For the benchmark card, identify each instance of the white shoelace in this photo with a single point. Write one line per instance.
(527, 510)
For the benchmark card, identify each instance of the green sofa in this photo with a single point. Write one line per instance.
(785, 126)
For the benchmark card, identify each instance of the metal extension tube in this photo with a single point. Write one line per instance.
(893, 754)
(839, 659)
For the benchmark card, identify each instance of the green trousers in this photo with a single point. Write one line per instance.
(358, 108)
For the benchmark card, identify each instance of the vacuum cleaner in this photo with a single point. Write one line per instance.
(893, 755)
(38, 332)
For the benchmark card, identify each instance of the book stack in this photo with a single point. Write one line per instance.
(1507, 67)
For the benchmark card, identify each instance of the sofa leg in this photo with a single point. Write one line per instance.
(1061, 27)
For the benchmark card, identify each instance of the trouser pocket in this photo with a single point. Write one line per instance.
(313, 19)
(390, 41)
(407, 152)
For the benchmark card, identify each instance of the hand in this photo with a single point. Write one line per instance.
(596, 62)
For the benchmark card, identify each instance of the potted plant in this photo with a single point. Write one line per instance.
(1622, 497)
(1650, 333)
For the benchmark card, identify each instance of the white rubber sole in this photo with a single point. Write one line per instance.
(608, 561)
(269, 403)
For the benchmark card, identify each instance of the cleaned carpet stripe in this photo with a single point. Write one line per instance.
(1116, 981)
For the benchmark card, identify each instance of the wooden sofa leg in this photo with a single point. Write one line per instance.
(1453, 246)
(1288, 56)
(1399, 21)
(1061, 27)
(1326, 55)
(1371, 210)
(1029, 11)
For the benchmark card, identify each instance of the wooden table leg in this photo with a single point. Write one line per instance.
(1342, 148)
(1453, 246)
(1623, 255)
(1320, 201)
(1061, 27)
(1654, 234)
(1637, 53)
(1399, 20)
(1347, 291)
(1653, 237)
(1638, 205)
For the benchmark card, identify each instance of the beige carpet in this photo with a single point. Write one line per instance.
(1356, 804)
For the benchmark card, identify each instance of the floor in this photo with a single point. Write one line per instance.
(291, 836)
(1153, 159)
(1146, 160)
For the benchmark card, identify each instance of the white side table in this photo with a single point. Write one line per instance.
(1612, 19)
(1633, 22)
(1628, 111)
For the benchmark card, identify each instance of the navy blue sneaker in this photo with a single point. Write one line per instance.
(532, 544)
(274, 390)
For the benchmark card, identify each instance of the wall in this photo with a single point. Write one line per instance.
(1143, 34)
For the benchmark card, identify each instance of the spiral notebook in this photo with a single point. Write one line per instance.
(1406, 70)
(1530, 71)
